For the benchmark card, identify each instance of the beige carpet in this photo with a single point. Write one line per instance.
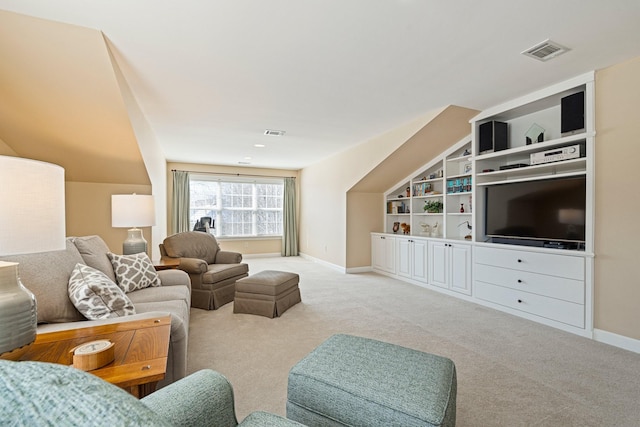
(511, 372)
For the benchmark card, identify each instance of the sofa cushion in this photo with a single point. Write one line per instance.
(96, 296)
(192, 244)
(46, 274)
(134, 271)
(94, 253)
(162, 293)
(219, 272)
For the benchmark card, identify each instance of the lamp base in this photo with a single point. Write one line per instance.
(17, 313)
(135, 242)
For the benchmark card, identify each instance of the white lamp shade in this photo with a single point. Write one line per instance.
(132, 210)
(32, 212)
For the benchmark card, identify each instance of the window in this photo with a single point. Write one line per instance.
(239, 207)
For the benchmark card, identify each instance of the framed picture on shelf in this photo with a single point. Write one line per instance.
(467, 167)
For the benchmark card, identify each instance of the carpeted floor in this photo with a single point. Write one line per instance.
(511, 372)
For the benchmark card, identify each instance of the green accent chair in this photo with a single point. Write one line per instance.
(46, 394)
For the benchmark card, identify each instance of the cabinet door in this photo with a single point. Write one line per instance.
(419, 258)
(403, 260)
(438, 264)
(460, 262)
(383, 253)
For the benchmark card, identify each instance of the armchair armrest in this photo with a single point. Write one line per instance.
(193, 265)
(203, 398)
(228, 257)
(174, 277)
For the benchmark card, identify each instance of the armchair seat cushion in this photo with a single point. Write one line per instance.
(220, 272)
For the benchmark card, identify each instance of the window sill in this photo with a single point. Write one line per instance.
(231, 238)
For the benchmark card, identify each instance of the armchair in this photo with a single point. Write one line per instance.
(213, 272)
(43, 394)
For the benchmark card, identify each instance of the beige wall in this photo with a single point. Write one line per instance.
(617, 227)
(324, 186)
(244, 246)
(88, 212)
(364, 215)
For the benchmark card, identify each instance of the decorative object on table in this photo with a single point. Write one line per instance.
(32, 219)
(93, 355)
(426, 229)
(433, 206)
(133, 210)
(406, 228)
(396, 227)
(534, 134)
(469, 228)
(435, 230)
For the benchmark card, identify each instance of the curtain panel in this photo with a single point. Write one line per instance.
(290, 225)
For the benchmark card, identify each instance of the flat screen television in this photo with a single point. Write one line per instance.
(548, 212)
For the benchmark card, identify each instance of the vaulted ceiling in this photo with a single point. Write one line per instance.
(210, 77)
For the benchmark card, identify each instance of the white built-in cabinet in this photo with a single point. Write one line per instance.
(450, 265)
(447, 248)
(412, 258)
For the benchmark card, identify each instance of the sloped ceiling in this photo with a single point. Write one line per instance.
(60, 101)
(444, 130)
(211, 76)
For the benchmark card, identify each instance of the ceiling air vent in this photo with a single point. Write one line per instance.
(545, 51)
(274, 132)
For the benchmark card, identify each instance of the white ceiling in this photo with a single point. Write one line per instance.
(211, 76)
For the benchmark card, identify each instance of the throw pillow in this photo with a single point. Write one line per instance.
(134, 271)
(96, 296)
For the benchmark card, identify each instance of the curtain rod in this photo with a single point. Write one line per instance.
(233, 174)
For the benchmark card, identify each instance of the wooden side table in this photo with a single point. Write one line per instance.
(141, 349)
(166, 263)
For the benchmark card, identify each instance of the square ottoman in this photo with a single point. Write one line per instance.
(267, 293)
(356, 381)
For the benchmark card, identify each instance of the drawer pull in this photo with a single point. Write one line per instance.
(519, 260)
(519, 301)
(519, 281)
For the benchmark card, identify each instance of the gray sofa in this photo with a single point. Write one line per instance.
(213, 272)
(47, 276)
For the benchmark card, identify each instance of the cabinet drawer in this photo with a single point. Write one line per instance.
(549, 308)
(550, 264)
(540, 284)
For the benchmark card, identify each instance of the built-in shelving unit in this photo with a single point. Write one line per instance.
(550, 284)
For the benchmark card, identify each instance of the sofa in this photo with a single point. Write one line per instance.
(45, 394)
(47, 276)
(213, 272)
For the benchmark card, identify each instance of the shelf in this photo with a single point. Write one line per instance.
(460, 159)
(463, 193)
(543, 171)
(537, 147)
(397, 214)
(428, 196)
(462, 175)
(531, 178)
(428, 214)
(426, 180)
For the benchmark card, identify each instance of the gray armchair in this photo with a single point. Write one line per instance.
(213, 272)
(45, 394)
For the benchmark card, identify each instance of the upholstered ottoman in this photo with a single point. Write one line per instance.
(356, 381)
(267, 293)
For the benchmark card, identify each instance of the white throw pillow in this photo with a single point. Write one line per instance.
(96, 296)
(134, 271)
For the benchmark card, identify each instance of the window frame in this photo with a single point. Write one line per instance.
(218, 208)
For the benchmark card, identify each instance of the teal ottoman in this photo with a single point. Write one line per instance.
(354, 381)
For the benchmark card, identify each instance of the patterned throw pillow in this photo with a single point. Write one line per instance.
(134, 271)
(96, 296)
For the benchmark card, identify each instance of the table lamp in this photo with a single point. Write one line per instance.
(133, 210)
(32, 219)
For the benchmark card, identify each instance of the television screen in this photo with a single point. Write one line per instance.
(548, 210)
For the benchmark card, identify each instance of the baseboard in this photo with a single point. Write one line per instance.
(323, 262)
(261, 255)
(616, 340)
(355, 270)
